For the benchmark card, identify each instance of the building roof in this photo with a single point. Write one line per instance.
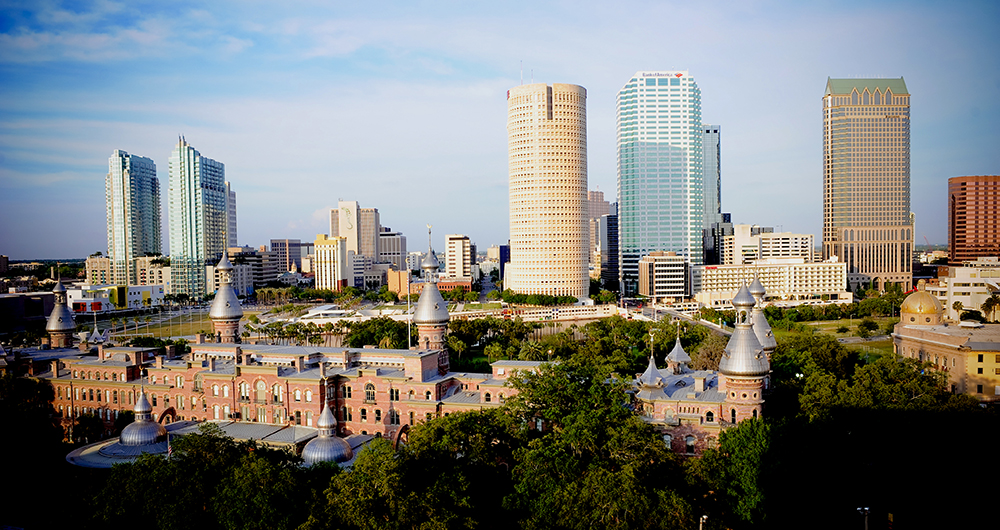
(845, 86)
(61, 318)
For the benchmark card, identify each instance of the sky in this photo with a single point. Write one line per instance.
(402, 105)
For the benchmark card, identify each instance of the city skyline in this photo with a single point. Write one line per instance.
(292, 101)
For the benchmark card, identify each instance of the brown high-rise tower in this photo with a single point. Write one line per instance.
(866, 180)
(973, 223)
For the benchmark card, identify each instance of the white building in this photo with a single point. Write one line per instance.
(231, 240)
(198, 217)
(751, 242)
(459, 256)
(413, 260)
(103, 298)
(785, 279)
(330, 263)
(971, 284)
(660, 174)
(663, 276)
(547, 161)
(392, 248)
(241, 276)
(133, 209)
(345, 222)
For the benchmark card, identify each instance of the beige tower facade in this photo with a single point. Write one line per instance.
(547, 158)
(866, 180)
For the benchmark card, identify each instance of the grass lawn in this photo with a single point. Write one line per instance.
(482, 307)
(178, 326)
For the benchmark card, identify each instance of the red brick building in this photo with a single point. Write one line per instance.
(973, 220)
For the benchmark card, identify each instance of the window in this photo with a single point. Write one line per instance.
(488, 397)
(215, 390)
(427, 395)
(60, 392)
(980, 357)
(345, 392)
(370, 392)
(309, 396)
(393, 394)
(410, 395)
(92, 393)
(393, 417)
(979, 389)
(754, 413)
(154, 399)
(244, 390)
(364, 414)
(225, 391)
(298, 395)
(309, 418)
(733, 412)
(114, 376)
(978, 371)
(689, 444)
(345, 414)
(180, 381)
(276, 393)
(411, 415)
(298, 417)
(709, 417)
(378, 416)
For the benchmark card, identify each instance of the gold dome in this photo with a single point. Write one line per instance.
(920, 302)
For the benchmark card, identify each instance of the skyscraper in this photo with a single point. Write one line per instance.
(547, 159)
(368, 233)
(712, 170)
(197, 217)
(973, 220)
(231, 240)
(460, 256)
(660, 172)
(132, 192)
(866, 180)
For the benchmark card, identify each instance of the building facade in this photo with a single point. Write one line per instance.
(368, 233)
(392, 248)
(973, 220)
(749, 243)
(132, 192)
(660, 173)
(459, 256)
(197, 217)
(231, 239)
(664, 277)
(785, 279)
(330, 264)
(712, 170)
(866, 180)
(968, 285)
(610, 273)
(287, 253)
(547, 153)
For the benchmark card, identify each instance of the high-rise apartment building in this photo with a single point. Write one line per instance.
(973, 220)
(231, 240)
(460, 256)
(132, 192)
(660, 169)
(547, 159)
(197, 217)
(866, 180)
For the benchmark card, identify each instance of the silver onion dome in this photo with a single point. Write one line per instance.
(430, 261)
(761, 327)
(226, 305)
(744, 355)
(678, 355)
(651, 378)
(431, 307)
(327, 447)
(143, 431)
(61, 318)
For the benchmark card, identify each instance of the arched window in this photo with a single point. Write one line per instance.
(427, 395)
(114, 396)
(261, 392)
(154, 399)
(59, 392)
(364, 414)
(733, 411)
(309, 396)
(501, 398)
(180, 381)
(114, 376)
(298, 395)
(754, 413)
(225, 393)
(709, 417)
(152, 379)
(215, 390)
(393, 417)
(309, 418)
(276, 393)
(488, 398)
(244, 390)
(689, 444)
(369, 392)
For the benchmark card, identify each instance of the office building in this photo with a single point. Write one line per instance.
(713, 238)
(712, 171)
(288, 254)
(660, 173)
(970, 285)
(344, 222)
(610, 278)
(231, 240)
(132, 192)
(392, 248)
(597, 207)
(866, 180)
(663, 277)
(973, 220)
(547, 153)
(368, 233)
(197, 217)
(459, 256)
(330, 264)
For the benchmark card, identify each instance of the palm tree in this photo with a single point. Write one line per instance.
(957, 306)
(990, 305)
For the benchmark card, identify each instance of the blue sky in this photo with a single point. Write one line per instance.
(401, 105)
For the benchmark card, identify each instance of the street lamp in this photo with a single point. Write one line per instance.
(864, 511)
(701, 521)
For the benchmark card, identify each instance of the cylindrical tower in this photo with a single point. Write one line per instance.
(547, 159)
(226, 311)
(743, 366)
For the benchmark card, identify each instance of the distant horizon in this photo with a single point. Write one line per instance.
(403, 108)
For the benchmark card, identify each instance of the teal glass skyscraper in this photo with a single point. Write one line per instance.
(660, 173)
(197, 217)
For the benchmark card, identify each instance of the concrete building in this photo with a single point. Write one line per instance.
(973, 218)
(345, 221)
(152, 270)
(392, 248)
(660, 172)
(664, 277)
(287, 253)
(547, 154)
(368, 233)
(330, 263)
(132, 192)
(970, 284)
(103, 298)
(413, 260)
(198, 217)
(231, 239)
(596, 207)
(99, 270)
(240, 277)
(749, 243)
(785, 279)
(969, 352)
(866, 180)
(459, 256)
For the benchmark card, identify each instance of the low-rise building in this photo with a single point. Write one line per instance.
(751, 242)
(785, 279)
(664, 277)
(970, 284)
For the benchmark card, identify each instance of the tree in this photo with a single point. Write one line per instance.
(735, 472)
(709, 353)
(456, 345)
(957, 306)
(990, 306)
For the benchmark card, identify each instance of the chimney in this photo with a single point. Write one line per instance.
(159, 361)
(171, 351)
(211, 364)
(100, 352)
(55, 367)
(322, 370)
(199, 338)
(298, 363)
(699, 384)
